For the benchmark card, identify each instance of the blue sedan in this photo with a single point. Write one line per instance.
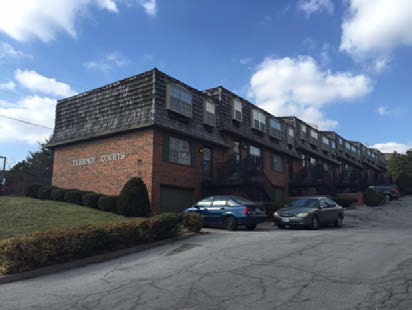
(229, 212)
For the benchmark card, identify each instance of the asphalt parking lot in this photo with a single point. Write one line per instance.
(366, 264)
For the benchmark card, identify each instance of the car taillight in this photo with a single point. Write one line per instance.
(396, 191)
(247, 211)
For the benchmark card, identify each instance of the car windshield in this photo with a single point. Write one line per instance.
(304, 203)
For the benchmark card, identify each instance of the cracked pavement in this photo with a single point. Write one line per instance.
(367, 264)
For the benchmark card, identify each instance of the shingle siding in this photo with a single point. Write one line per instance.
(113, 108)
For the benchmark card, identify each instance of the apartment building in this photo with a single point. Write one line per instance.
(185, 144)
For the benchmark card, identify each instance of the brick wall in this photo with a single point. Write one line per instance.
(107, 174)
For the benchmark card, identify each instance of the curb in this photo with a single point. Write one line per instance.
(89, 260)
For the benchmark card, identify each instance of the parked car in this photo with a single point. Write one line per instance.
(229, 212)
(312, 212)
(390, 191)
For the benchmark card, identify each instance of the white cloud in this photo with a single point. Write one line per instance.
(9, 52)
(266, 20)
(109, 62)
(312, 6)
(382, 111)
(44, 19)
(245, 61)
(39, 83)
(7, 86)
(149, 6)
(372, 29)
(297, 86)
(34, 109)
(390, 147)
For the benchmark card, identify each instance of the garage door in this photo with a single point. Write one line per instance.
(175, 199)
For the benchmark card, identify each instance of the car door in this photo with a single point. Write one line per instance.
(334, 210)
(203, 207)
(325, 212)
(218, 209)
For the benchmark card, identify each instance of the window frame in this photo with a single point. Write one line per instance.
(237, 101)
(261, 119)
(179, 151)
(206, 112)
(181, 102)
(279, 167)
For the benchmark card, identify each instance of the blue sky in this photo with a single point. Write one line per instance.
(343, 65)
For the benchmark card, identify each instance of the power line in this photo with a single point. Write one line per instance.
(25, 122)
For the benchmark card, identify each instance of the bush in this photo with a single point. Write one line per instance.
(344, 201)
(57, 194)
(73, 196)
(44, 192)
(108, 203)
(32, 190)
(133, 199)
(273, 206)
(192, 221)
(372, 198)
(27, 252)
(162, 226)
(91, 200)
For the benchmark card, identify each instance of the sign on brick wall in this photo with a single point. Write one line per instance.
(98, 159)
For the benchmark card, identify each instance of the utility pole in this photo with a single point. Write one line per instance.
(3, 175)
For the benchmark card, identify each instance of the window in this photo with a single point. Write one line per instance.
(179, 151)
(347, 145)
(303, 128)
(274, 127)
(313, 134)
(332, 143)
(325, 140)
(258, 120)
(277, 164)
(340, 141)
(254, 151)
(209, 116)
(179, 100)
(205, 202)
(313, 161)
(325, 167)
(290, 132)
(303, 160)
(237, 110)
(219, 202)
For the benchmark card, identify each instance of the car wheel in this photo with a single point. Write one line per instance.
(250, 226)
(230, 223)
(280, 226)
(315, 223)
(338, 222)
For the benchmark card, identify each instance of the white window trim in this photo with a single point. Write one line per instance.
(179, 110)
(180, 152)
(208, 106)
(237, 106)
(260, 118)
(313, 134)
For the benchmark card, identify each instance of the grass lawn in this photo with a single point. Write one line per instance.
(21, 215)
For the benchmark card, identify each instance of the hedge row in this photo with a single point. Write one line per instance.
(132, 201)
(40, 249)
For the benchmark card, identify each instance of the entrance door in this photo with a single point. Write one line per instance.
(207, 161)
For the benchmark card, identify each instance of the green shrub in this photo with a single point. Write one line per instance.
(372, 198)
(91, 200)
(162, 226)
(32, 190)
(73, 196)
(273, 206)
(44, 192)
(27, 252)
(192, 221)
(344, 201)
(57, 194)
(108, 203)
(133, 199)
